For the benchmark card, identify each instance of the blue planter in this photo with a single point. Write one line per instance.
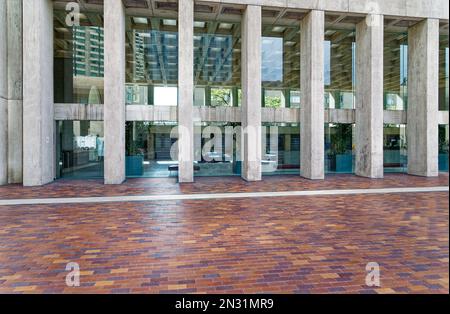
(134, 165)
(344, 163)
(237, 167)
(443, 162)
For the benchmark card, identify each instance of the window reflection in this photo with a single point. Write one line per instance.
(79, 60)
(80, 149)
(395, 71)
(395, 148)
(152, 62)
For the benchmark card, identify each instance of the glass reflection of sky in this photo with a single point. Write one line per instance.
(272, 59)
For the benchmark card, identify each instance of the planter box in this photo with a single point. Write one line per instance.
(443, 162)
(344, 163)
(134, 165)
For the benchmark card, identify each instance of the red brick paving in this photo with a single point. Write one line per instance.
(314, 244)
(146, 186)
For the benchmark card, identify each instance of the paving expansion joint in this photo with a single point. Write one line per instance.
(207, 196)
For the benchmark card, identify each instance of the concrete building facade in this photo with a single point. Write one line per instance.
(222, 87)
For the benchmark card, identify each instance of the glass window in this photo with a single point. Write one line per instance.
(78, 59)
(80, 149)
(339, 149)
(339, 68)
(217, 149)
(152, 61)
(443, 72)
(280, 64)
(150, 149)
(395, 71)
(217, 63)
(395, 148)
(281, 148)
(443, 148)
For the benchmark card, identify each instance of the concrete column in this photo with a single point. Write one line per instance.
(423, 91)
(312, 88)
(38, 136)
(369, 97)
(114, 111)
(251, 93)
(185, 90)
(3, 96)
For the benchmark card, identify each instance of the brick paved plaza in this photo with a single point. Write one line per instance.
(286, 244)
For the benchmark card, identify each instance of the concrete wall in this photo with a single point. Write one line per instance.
(3, 96)
(185, 90)
(312, 89)
(15, 95)
(38, 136)
(114, 110)
(423, 91)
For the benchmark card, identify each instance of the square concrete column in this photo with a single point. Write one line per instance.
(114, 111)
(185, 90)
(312, 91)
(423, 91)
(3, 96)
(369, 97)
(251, 93)
(38, 135)
(15, 96)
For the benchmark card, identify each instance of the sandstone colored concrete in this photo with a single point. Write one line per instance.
(312, 89)
(114, 111)
(15, 95)
(38, 136)
(369, 97)
(185, 90)
(251, 93)
(3, 97)
(423, 69)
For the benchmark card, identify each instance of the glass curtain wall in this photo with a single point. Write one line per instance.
(79, 149)
(217, 63)
(217, 149)
(395, 148)
(78, 59)
(395, 71)
(339, 72)
(280, 63)
(443, 148)
(443, 72)
(151, 149)
(151, 79)
(152, 61)
(281, 148)
(339, 148)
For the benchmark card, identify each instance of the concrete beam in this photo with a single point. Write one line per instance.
(312, 89)
(114, 111)
(185, 90)
(423, 91)
(251, 93)
(15, 95)
(38, 136)
(3, 96)
(369, 97)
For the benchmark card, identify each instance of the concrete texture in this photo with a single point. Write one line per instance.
(413, 8)
(185, 90)
(38, 136)
(3, 97)
(369, 97)
(251, 93)
(15, 96)
(312, 89)
(114, 111)
(423, 69)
